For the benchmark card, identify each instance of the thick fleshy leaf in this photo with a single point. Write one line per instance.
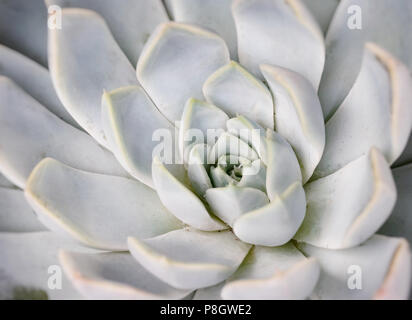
(23, 27)
(381, 21)
(238, 92)
(282, 165)
(399, 223)
(29, 133)
(380, 268)
(130, 122)
(15, 214)
(190, 259)
(230, 144)
(197, 169)
(347, 207)
(215, 15)
(85, 60)
(30, 268)
(175, 62)
(175, 195)
(250, 132)
(199, 179)
(280, 273)
(220, 178)
(254, 176)
(98, 210)
(201, 122)
(131, 22)
(113, 276)
(298, 115)
(277, 222)
(376, 113)
(229, 203)
(322, 11)
(281, 33)
(18, 68)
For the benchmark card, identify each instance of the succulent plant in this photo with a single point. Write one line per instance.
(245, 157)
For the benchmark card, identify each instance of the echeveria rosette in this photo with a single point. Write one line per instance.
(282, 215)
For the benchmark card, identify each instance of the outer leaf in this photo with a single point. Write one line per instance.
(348, 206)
(114, 276)
(29, 133)
(175, 62)
(375, 113)
(17, 67)
(281, 33)
(85, 60)
(189, 259)
(214, 15)
(97, 210)
(381, 21)
(15, 214)
(131, 22)
(29, 263)
(381, 267)
(273, 273)
(23, 27)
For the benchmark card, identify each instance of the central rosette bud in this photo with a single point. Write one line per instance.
(233, 174)
(231, 166)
